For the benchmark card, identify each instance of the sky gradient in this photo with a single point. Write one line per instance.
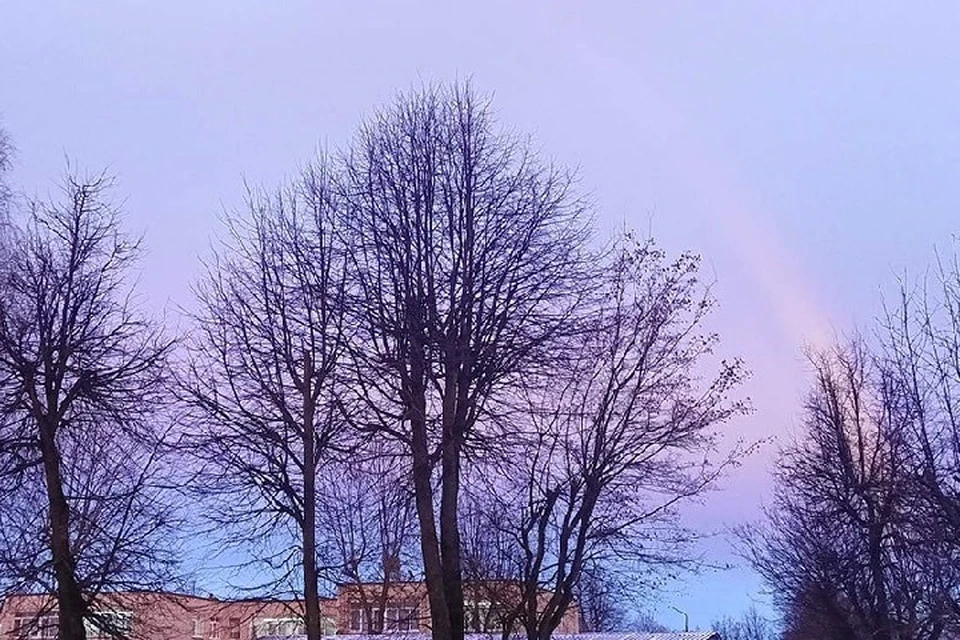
(808, 150)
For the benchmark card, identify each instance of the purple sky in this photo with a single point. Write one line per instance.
(808, 150)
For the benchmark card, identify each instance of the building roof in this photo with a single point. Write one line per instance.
(641, 635)
(680, 635)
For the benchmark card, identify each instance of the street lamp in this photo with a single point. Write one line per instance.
(686, 618)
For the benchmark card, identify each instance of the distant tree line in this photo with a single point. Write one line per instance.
(414, 359)
(749, 626)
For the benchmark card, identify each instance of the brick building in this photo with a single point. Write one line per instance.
(372, 608)
(404, 607)
(163, 616)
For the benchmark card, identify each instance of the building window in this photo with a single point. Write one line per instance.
(328, 626)
(109, 624)
(366, 620)
(401, 619)
(234, 628)
(35, 627)
(278, 628)
(482, 617)
(197, 627)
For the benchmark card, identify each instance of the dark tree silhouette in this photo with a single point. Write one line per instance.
(368, 530)
(603, 597)
(619, 435)
(261, 386)
(6, 161)
(842, 548)
(919, 354)
(468, 254)
(82, 392)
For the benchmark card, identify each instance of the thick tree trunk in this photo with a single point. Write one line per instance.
(310, 590)
(423, 497)
(429, 544)
(70, 604)
(454, 419)
(450, 534)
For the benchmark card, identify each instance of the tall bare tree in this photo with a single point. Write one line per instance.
(468, 253)
(6, 193)
(619, 436)
(82, 389)
(262, 378)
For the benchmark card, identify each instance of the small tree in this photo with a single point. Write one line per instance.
(6, 194)
(750, 626)
(645, 622)
(602, 598)
(368, 531)
(82, 387)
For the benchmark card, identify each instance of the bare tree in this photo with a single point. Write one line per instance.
(618, 436)
(920, 355)
(643, 621)
(6, 161)
(82, 392)
(816, 611)
(863, 540)
(262, 378)
(468, 254)
(841, 545)
(366, 516)
(750, 626)
(6, 194)
(602, 598)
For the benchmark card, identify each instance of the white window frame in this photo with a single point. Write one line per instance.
(35, 627)
(356, 620)
(366, 616)
(391, 619)
(123, 620)
(400, 619)
(477, 617)
(281, 627)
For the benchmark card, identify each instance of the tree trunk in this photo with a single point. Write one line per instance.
(416, 406)
(310, 591)
(429, 545)
(882, 607)
(70, 604)
(450, 534)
